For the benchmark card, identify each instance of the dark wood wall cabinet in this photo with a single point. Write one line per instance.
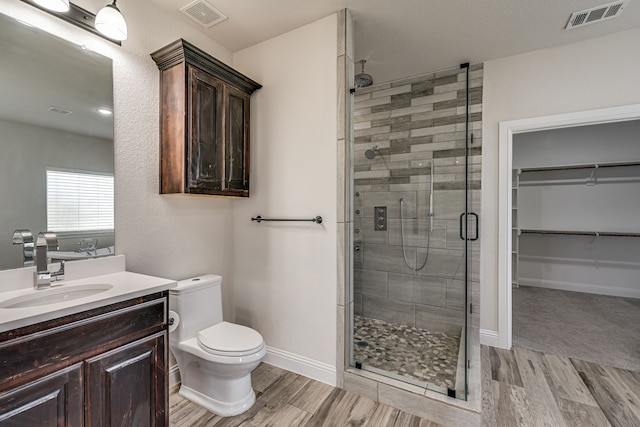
(204, 123)
(102, 367)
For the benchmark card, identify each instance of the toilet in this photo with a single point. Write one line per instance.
(215, 358)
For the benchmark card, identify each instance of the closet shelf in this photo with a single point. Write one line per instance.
(582, 166)
(580, 233)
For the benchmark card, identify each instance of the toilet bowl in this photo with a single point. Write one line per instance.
(215, 358)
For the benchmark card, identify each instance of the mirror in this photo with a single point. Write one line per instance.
(51, 91)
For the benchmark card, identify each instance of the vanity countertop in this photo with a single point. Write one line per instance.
(117, 286)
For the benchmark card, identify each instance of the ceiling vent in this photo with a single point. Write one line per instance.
(596, 14)
(203, 13)
(59, 110)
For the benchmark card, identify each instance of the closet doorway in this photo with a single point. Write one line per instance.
(570, 235)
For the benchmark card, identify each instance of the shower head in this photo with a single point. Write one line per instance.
(371, 153)
(363, 79)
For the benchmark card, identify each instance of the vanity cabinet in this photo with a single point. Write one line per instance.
(54, 399)
(204, 123)
(102, 367)
(122, 385)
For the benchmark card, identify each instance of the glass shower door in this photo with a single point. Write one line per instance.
(411, 233)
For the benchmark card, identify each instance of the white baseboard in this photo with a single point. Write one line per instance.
(488, 337)
(580, 287)
(283, 359)
(301, 365)
(174, 375)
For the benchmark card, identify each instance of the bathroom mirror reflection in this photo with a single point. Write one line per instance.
(56, 144)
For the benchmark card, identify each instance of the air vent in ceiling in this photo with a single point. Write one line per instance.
(596, 14)
(59, 110)
(203, 13)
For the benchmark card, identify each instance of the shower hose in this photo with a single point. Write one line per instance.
(404, 253)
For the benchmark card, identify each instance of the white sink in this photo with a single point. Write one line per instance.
(88, 284)
(55, 295)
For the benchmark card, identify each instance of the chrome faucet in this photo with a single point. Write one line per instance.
(42, 277)
(88, 245)
(25, 238)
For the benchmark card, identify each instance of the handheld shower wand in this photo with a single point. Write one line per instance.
(431, 201)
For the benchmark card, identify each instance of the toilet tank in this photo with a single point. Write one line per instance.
(198, 302)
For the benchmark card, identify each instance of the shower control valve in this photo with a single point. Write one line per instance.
(380, 214)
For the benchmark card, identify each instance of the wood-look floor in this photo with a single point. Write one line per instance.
(528, 388)
(286, 399)
(520, 388)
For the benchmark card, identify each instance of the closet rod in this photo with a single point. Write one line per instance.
(585, 166)
(581, 233)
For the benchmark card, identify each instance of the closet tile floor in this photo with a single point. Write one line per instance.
(428, 357)
(596, 328)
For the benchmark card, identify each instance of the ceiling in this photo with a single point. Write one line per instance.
(398, 38)
(402, 38)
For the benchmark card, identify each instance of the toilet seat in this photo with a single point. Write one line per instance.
(229, 339)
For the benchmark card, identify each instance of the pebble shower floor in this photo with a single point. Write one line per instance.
(410, 352)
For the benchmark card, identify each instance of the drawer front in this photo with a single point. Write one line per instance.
(40, 353)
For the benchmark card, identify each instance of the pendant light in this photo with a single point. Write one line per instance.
(110, 22)
(54, 5)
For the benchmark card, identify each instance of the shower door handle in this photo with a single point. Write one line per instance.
(477, 226)
(462, 237)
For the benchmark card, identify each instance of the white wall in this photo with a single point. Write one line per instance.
(601, 265)
(599, 143)
(169, 236)
(595, 73)
(285, 273)
(562, 200)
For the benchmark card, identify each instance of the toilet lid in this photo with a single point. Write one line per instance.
(229, 339)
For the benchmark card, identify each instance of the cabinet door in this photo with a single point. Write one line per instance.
(237, 107)
(205, 139)
(126, 386)
(54, 400)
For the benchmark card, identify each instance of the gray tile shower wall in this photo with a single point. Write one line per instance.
(416, 124)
